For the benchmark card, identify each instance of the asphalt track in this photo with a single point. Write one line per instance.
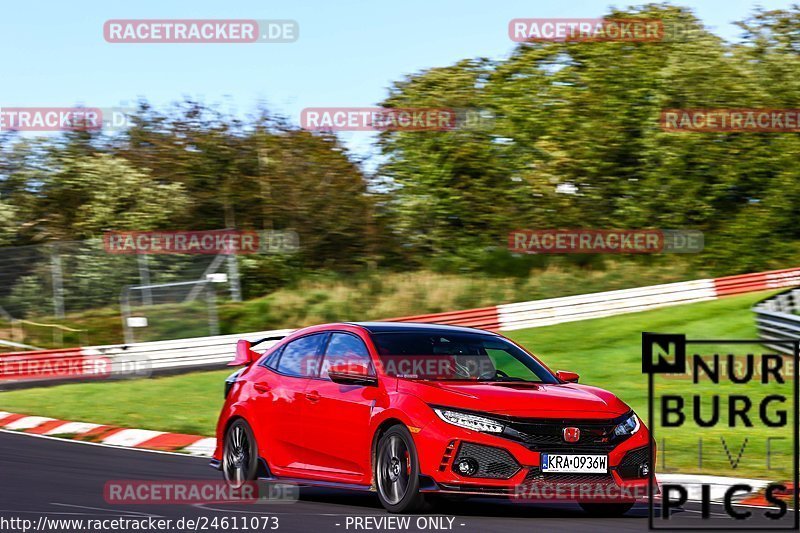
(58, 479)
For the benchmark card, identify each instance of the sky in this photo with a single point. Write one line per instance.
(348, 52)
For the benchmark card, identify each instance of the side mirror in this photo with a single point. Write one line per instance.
(352, 374)
(244, 354)
(569, 377)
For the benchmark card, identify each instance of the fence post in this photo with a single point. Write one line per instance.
(144, 277)
(58, 293)
(213, 318)
(125, 311)
(58, 284)
(233, 278)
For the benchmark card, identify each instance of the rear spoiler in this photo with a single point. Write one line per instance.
(265, 339)
(244, 351)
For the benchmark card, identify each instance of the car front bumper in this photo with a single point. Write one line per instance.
(509, 468)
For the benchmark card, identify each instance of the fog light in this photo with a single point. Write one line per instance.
(644, 470)
(467, 467)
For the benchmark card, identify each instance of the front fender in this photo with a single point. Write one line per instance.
(404, 409)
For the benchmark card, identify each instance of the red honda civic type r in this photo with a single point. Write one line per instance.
(411, 410)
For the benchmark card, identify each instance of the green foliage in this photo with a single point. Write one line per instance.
(116, 195)
(29, 292)
(556, 135)
(573, 140)
(265, 274)
(264, 174)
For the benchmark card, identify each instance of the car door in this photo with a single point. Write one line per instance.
(338, 415)
(280, 402)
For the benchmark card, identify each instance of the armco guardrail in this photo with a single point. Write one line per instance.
(602, 304)
(538, 313)
(181, 353)
(777, 319)
(774, 279)
(119, 361)
(484, 318)
(213, 352)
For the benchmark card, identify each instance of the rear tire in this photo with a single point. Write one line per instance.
(239, 454)
(396, 471)
(606, 509)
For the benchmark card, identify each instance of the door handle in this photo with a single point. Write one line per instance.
(261, 387)
(312, 396)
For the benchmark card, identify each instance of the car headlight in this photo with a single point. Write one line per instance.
(630, 426)
(465, 420)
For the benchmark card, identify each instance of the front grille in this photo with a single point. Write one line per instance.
(547, 435)
(629, 466)
(492, 462)
(535, 476)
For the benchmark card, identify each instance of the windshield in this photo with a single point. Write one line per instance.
(457, 356)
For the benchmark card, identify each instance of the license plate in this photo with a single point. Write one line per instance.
(574, 464)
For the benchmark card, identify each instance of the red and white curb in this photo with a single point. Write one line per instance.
(109, 435)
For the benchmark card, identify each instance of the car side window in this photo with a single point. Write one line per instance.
(272, 360)
(344, 348)
(301, 357)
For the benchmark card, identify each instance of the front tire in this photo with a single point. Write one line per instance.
(396, 472)
(606, 509)
(239, 454)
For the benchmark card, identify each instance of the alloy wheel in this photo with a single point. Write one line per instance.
(394, 469)
(236, 461)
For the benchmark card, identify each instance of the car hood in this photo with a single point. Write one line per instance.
(525, 400)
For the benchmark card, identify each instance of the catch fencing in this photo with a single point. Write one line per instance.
(59, 278)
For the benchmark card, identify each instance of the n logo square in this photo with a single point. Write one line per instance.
(663, 353)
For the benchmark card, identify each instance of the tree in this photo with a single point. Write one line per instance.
(575, 141)
(7, 226)
(84, 197)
